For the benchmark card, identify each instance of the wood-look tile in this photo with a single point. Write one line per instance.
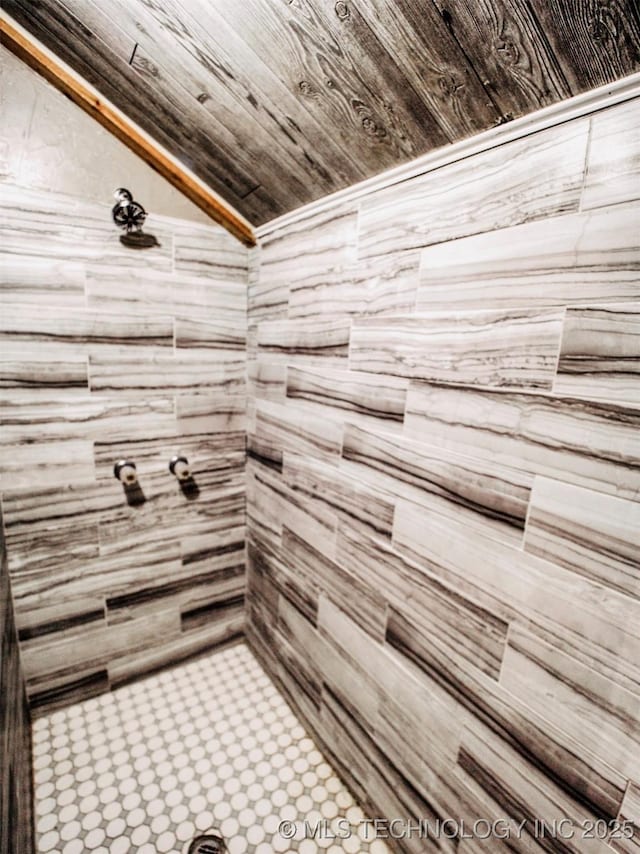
(558, 261)
(214, 412)
(39, 375)
(508, 581)
(491, 190)
(147, 291)
(57, 227)
(60, 333)
(212, 609)
(600, 353)
(385, 285)
(497, 494)
(349, 499)
(592, 534)
(613, 174)
(305, 341)
(514, 348)
(590, 444)
(209, 251)
(180, 373)
(204, 335)
(44, 418)
(34, 280)
(530, 797)
(601, 715)
(368, 394)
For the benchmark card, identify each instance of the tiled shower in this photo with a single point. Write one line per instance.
(404, 584)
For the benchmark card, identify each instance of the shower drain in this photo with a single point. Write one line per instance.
(207, 844)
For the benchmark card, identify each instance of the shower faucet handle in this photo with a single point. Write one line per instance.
(125, 472)
(179, 466)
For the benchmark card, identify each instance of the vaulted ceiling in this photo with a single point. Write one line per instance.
(275, 103)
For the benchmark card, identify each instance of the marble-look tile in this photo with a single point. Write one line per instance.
(322, 341)
(46, 463)
(206, 335)
(273, 503)
(509, 582)
(600, 353)
(287, 427)
(531, 178)
(214, 412)
(43, 418)
(34, 376)
(369, 394)
(43, 331)
(57, 227)
(94, 646)
(147, 291)
(385, 285)
(179, 373)
(602, 714)
(267, 380)
(627, 837)
(613, 174)
(438, 616)
(590, 444)
(497, 494)
(346, 497)
(325, 240)
(558, 261)
(34, 280)
(527, 796)
(209, 251)
(16, 798)
(518, 347)
(590, 533)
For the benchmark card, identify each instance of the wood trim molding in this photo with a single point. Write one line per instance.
(585, 104)
(16, 39)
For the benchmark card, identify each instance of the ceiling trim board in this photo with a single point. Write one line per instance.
(45, 63)
(587, 103)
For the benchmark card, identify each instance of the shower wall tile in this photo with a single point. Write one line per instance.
(444, 482)
(532, 178)
(107, 354)
(172, 373)
(487, 348)
(584, 442)
(144, 291)
(613, 173)
(16, 811)
(563, 260)
(32, 280)
(600, 353)
(590, 533)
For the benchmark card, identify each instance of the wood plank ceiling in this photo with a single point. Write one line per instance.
(275, 103)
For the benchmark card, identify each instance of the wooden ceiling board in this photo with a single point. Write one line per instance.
(276, 103)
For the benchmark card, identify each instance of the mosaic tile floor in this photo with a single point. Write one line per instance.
(211, 744)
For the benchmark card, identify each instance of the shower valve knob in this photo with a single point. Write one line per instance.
(179, 466)
(125, 472)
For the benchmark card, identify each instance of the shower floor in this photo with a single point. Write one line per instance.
(210, 744)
